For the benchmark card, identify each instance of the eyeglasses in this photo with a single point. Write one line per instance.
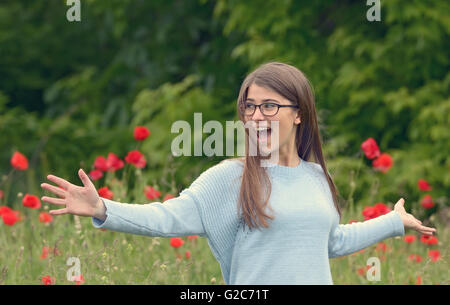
(267, 109)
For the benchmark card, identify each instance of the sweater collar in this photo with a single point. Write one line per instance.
(281, 170)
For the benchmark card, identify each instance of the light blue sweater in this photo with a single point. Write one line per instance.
(296, 247)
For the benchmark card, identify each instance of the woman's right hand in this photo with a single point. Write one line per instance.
(82, 201)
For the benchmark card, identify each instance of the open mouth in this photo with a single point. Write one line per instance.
(263, 133)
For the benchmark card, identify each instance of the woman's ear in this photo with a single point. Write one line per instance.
(297, 118)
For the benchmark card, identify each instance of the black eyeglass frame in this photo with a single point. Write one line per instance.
(259, 106)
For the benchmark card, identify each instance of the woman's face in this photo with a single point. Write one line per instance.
(287, 117)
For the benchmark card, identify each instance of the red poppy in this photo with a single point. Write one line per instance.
(101, 164)
(381, 246)
(78, 279)
(415, 258)
(409, 238)
(423, 185)
(363, 270)
(187, 254)
(136, 158)
(105, 193)
(31, 201)
(5, 209)
(95, 174)
(427, 202)
(192, 237)
(176, 242)
(45, 217)
(48, 280)
(432, 240)
(418, 280)
(167, 197)
(151, 193)
(434, 255)
(10, 217)
(141, 133)
(383, 163)
(19, 161)
(370, 148)
(44, 253)
(113, 162)
(369, 213)
(381, 208)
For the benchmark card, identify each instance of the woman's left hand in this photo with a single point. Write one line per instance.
(409, 221)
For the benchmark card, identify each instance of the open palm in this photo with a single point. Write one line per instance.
(78, 200)
(409, 221)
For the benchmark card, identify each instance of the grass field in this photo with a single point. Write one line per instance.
(107, 257)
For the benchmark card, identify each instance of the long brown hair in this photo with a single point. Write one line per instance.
(291, 83)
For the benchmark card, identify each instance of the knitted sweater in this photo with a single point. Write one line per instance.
(294, 249)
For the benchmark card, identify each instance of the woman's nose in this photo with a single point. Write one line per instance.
(258, 115)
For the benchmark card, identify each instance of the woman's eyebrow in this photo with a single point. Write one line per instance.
(264, 100)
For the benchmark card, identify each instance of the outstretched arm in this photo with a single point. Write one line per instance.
(176, 217)
(349, 238)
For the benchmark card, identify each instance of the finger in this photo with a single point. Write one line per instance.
(56, 190)
(54, 200)
(85, 179)
(60, 181)
(58, 212)
(426, 230)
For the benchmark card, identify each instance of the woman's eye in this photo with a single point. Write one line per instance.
(269, 106)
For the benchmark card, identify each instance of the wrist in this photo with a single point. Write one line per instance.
(100, 211)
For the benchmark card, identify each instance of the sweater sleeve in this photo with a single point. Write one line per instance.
(175, 217)
(349, 238)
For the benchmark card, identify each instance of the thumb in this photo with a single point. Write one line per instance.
(85, 179)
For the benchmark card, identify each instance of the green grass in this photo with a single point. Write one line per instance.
(108, 257)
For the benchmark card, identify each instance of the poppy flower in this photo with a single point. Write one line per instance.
(434, 255)
(370, 148)
(10, 217)
(423, 185)
(429, 240)
(113, 162)
(418, 280)
(31, 201)
(167, 197)
(78, 279)
(192, 237)
(141, 133)
(187, 254)
(381, 208)
(369, 213)
(101, 164)
(105, 193)
(95, 174)
(45, 217)
(176, 242)
(48, 280)
(381, 246)
(415, 258)
(409, 238)
(383, 163)
(19, 161)
(136, 158)
(151, 193)
(363, 270)
(44, 253)
(427, 202)
(5, 209)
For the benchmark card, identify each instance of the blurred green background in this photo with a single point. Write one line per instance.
(71, 91)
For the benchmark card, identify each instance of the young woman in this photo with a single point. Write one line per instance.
(274, 224)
